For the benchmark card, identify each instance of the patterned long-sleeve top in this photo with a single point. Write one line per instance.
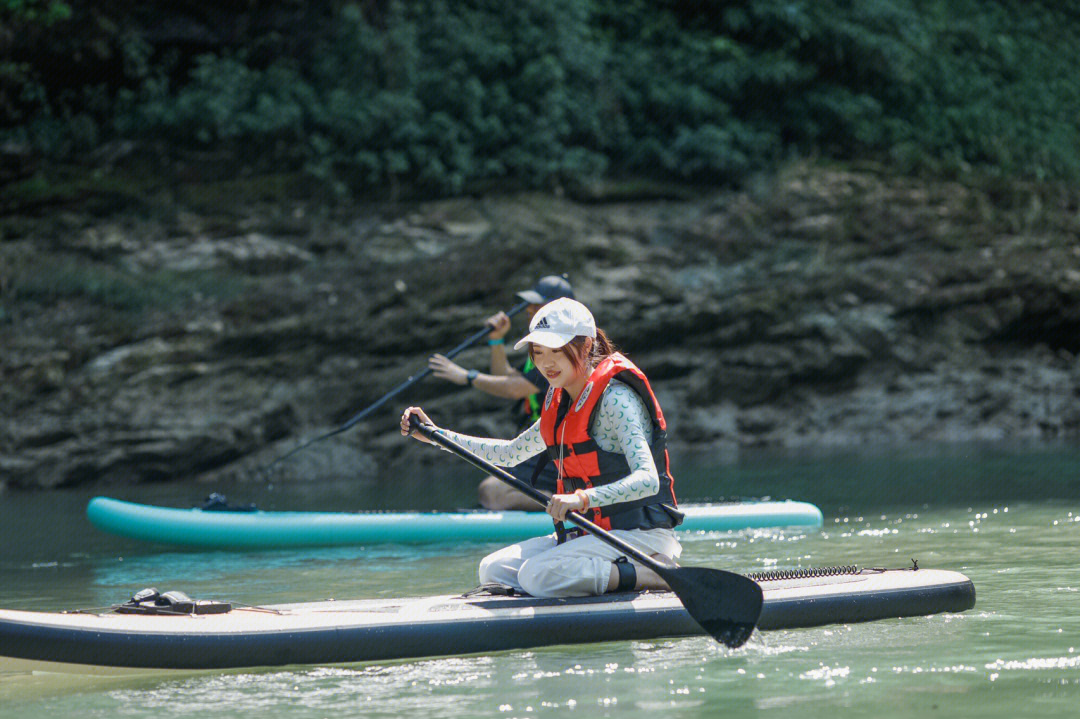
(622, 424)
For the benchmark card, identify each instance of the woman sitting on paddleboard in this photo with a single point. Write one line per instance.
(603, 428)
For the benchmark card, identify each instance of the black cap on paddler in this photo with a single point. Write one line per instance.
(547, 289)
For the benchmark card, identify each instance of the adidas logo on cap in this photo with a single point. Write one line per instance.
(559, 322)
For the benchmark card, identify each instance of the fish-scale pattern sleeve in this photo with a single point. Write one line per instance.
(502, 452)
(623, 424)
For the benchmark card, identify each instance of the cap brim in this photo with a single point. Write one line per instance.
(551, 340)
(532, 297)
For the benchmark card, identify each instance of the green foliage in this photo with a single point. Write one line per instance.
(41, 12)
(17, 82)
(440, 97)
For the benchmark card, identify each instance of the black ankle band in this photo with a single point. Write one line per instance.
(627, 575)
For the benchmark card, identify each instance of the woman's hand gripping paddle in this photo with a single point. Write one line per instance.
(725, 604)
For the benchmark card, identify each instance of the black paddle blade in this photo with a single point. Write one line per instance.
(725, 604)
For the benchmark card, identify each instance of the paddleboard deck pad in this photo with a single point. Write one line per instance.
(367, 630)
(270, 529)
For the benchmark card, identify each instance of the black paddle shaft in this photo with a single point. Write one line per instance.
(413, 379)
(725, 604)
(409, 382)
(442, 440)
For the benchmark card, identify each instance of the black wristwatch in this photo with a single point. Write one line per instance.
(470, 376)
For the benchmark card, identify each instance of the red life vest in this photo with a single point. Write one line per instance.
(584, 464)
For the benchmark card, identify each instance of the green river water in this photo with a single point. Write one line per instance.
(1008, 517)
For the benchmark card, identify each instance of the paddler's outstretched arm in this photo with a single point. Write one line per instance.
(622, 424)
(510, 385)
(501, 452)
(502, 381)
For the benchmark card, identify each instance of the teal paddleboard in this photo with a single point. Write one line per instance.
(264, 530)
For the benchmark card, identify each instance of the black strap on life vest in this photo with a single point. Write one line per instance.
(540, 467)
(561, 532)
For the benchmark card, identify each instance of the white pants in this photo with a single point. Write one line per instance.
(580, 567)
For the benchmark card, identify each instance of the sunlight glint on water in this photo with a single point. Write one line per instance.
(1016, 654)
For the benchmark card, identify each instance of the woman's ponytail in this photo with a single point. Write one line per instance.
(601, 348)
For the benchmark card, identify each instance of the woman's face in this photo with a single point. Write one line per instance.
(555, 366)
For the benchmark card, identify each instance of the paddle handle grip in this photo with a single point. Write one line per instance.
(436, 436)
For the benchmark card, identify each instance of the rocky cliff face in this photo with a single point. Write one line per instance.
(819, 307)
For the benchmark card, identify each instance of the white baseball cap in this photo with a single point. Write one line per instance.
(558, 322)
